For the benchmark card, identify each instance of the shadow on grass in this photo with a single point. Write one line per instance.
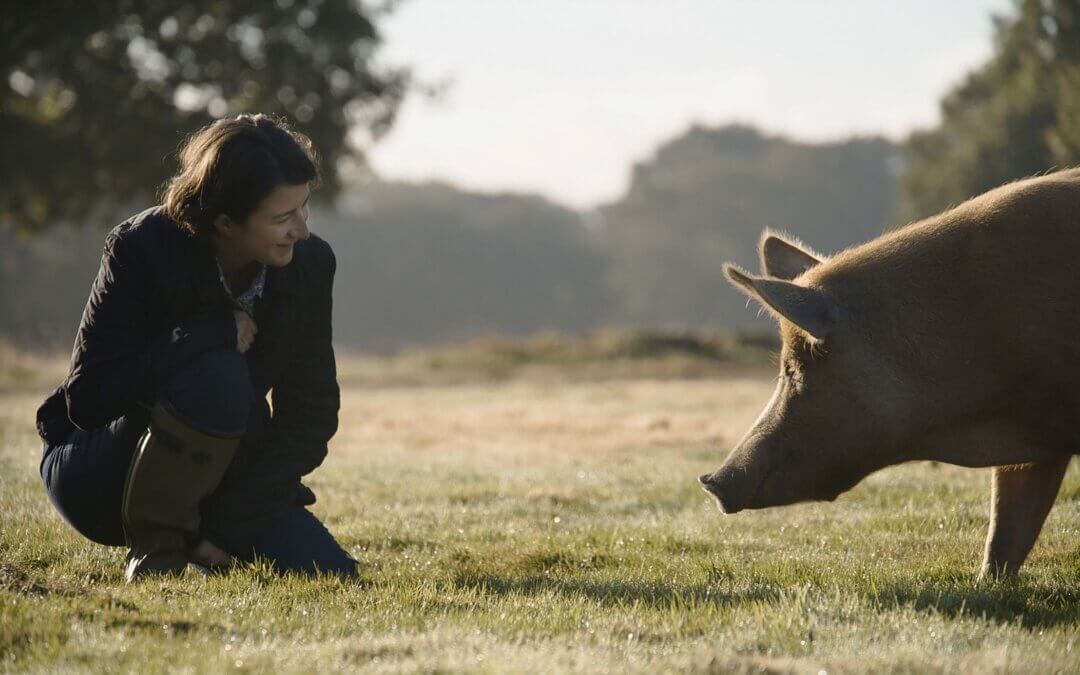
(1005, 602)
(652, 595)
(1021, 602)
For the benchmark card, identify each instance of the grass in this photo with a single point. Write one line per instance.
(548, 520)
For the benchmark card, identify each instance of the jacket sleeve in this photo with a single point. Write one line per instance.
(116, 362)
(305, 402)
(306, 399)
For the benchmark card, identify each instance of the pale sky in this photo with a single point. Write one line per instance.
(561, 97)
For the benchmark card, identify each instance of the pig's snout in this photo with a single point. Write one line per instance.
(711, 483)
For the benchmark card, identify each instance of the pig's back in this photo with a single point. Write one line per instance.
(989, 290)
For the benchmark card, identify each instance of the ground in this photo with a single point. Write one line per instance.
(548, 519)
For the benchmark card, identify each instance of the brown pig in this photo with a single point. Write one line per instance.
(955, 339)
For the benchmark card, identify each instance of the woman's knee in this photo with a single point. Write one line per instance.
(83, 478)
(213, 392)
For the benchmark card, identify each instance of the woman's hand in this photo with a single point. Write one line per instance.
(245, 330)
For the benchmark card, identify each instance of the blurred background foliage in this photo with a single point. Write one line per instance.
(100, 85)
(1017, 115)
(100, 93)
(705, 197)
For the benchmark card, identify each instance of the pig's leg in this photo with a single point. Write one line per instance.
(1020, 499)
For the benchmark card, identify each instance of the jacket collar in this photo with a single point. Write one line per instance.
(286, 280)
(205, 271)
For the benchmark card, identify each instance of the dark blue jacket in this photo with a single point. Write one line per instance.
(156, 304)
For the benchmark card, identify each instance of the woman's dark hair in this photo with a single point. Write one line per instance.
(230, 165)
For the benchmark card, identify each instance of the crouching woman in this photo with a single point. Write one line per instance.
(161, 438)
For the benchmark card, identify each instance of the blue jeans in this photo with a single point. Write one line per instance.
(85, 474)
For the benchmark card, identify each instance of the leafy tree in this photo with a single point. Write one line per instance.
(97, 95)
(1017, 115)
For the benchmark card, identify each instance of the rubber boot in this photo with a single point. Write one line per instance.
(175, 467)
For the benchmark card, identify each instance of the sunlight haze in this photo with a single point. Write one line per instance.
(562, 97)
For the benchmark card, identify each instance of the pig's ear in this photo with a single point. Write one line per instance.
(783, 259)
(805, 307)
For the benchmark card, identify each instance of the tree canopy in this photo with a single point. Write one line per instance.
(97, 95)
(1015, 116)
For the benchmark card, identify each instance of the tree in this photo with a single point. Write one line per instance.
(1017, 115)
(97, 95)
(706, 195)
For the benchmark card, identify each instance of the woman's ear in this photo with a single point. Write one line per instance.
(224, 225)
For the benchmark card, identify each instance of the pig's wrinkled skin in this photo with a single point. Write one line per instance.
(954, 339)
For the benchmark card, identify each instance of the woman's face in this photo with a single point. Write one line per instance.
(270, 232)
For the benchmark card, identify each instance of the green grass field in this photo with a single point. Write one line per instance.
(548, 519)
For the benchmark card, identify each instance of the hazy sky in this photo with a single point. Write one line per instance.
(561, 97)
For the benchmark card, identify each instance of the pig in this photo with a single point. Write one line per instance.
(954, 339)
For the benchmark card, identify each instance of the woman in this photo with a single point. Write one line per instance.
(161, 437)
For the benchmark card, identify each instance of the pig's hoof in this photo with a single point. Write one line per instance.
(996, 573)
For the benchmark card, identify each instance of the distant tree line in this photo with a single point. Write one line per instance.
(428, 263)
(705, 197)
(423, 263)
